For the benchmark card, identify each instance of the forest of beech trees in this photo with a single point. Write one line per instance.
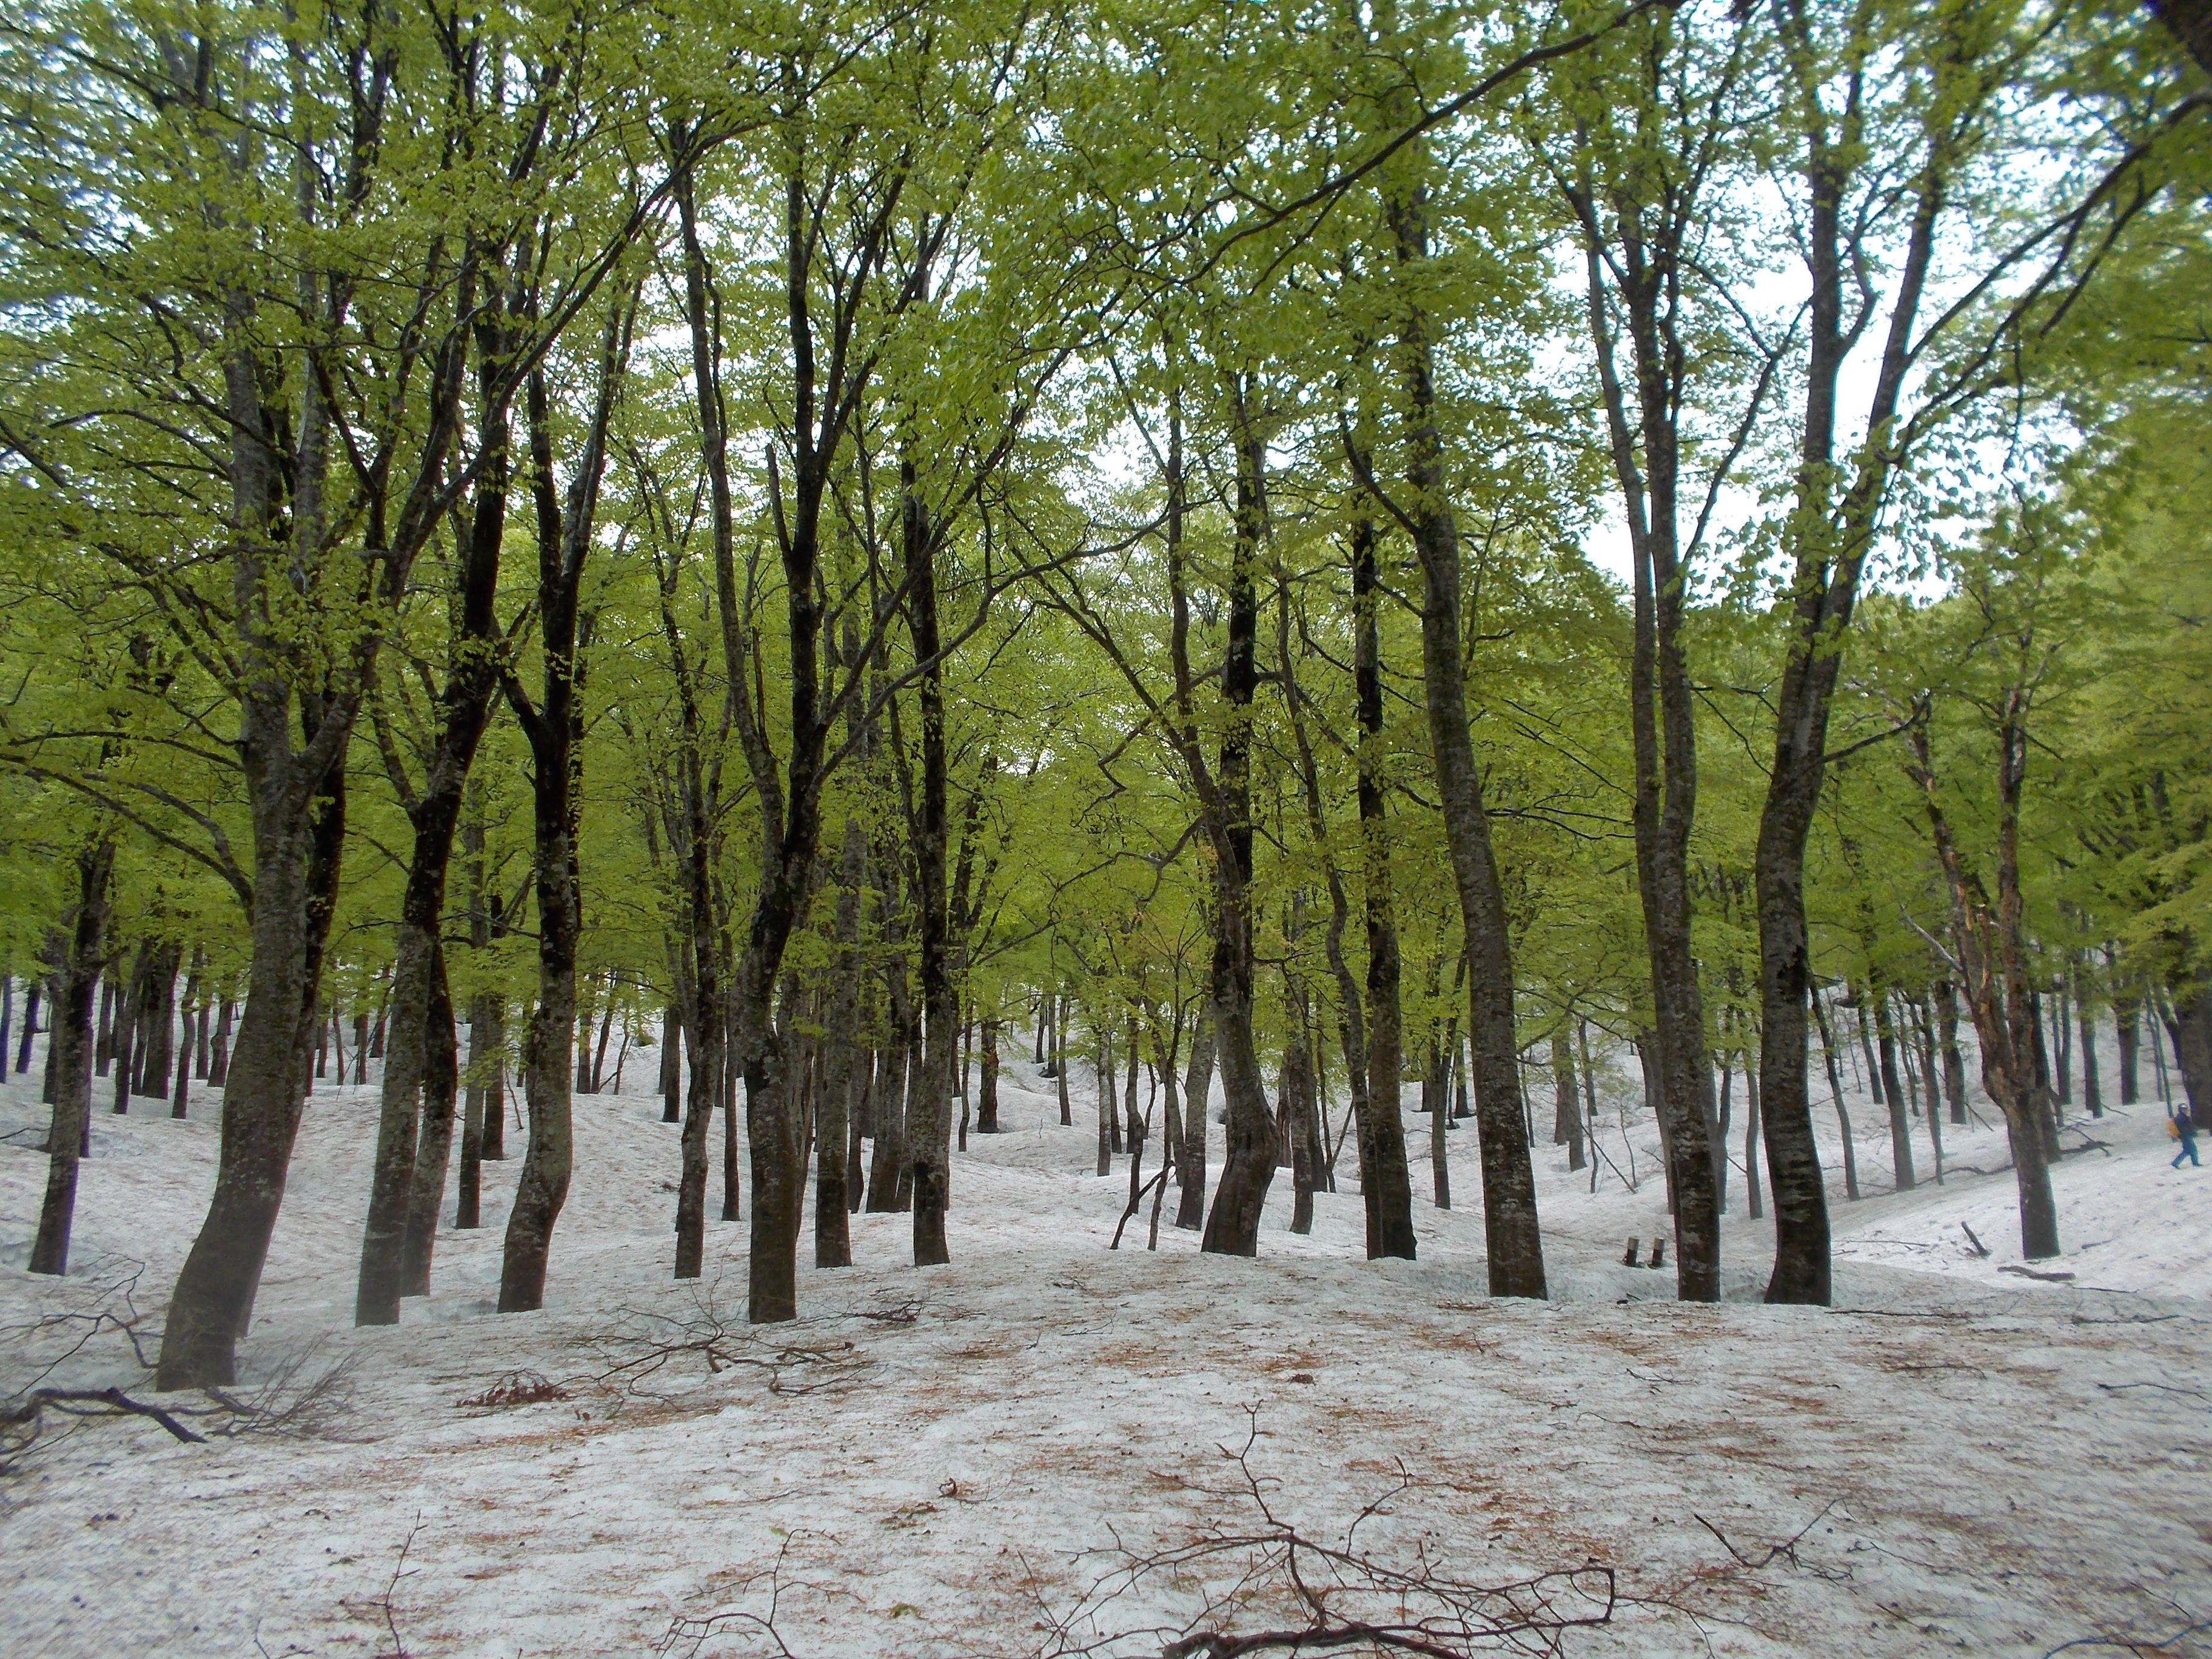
(1290, 567)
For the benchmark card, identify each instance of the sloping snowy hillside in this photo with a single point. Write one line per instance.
(949, 1461)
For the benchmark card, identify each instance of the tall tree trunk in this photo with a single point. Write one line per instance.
(928, 1119)
(1993, 973)
(70, 1045)
(1513, 1241)
(483, 1073)
(434, 813)
(1385, 1184)
(555, 730)
(1232, 1227)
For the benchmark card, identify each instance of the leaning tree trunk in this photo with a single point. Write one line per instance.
(1992, 964)
(299, 839)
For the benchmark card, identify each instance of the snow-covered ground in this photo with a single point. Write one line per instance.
(945, 1462)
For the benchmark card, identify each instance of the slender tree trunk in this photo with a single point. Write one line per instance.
(104, 1045)
(419, 983)
(1197, 1089)
(126, 1029)
(30, 1030)
(554, 729)
(929, 1128)
(433, 1150)
(1232, 1227)
(986, 1109)
(219, 1046)
(483, 1078)
(1836, 1092)
(1955, 1063)
(843, 1058)
(1104, 1085)
(888, 1160)
(1060, 1060)
(1892, 1091)
(1513, 1243)
(2127, 1021)
(1436, 1092)
(70, 1045)
(1566, 1117)
(1992, 956)
(671, 1064)
(2093, 1094)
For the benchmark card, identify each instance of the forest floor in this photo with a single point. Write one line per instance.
(1050, 1447)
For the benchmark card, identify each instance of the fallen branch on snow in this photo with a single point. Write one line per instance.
(1268, 1586)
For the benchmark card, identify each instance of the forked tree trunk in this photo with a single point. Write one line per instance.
(554, 727)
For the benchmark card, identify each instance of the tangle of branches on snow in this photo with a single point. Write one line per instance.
(1253, 1582)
